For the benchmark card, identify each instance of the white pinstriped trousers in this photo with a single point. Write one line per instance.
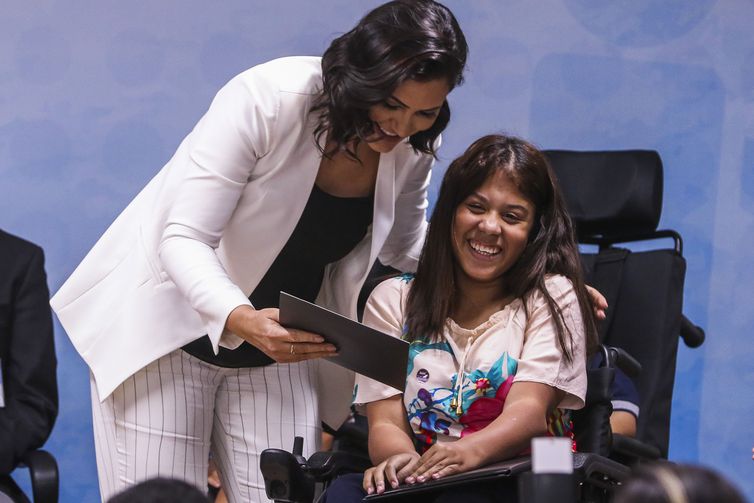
(165, 419)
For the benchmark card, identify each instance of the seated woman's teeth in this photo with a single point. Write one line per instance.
(484, 249)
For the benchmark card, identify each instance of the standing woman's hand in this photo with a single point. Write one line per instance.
(262, 329)
(599, 302)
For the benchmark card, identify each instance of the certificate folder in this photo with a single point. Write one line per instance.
(494, 472)
(362, 349)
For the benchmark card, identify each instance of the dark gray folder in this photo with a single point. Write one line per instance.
(497, 471)
(360, 348)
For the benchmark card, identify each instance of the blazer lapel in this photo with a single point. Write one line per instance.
(384, 204)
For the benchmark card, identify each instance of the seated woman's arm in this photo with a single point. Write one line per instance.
(524, 417)
(389, 432)
(391, 447)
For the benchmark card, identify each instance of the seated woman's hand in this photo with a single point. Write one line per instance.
(393, 470)
(262, 329)
(442, 460)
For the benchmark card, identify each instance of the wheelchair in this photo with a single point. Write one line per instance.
(614, 198)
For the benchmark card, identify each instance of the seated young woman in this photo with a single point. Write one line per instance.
(499, 321)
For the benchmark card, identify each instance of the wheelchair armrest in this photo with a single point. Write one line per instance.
(693, 335)
(43, 470)
(326, 465)
(623, 360)
(599, 470)
(635, 449)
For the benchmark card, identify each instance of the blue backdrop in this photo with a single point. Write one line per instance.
(95, 95)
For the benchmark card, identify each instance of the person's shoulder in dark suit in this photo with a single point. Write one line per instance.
(27, 351)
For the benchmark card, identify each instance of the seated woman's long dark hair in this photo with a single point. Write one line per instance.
(551, 248)
(398, 41)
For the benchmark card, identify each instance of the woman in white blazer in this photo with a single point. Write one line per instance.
(321, 162)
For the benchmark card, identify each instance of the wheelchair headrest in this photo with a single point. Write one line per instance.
(610, 192)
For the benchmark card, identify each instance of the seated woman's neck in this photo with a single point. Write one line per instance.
(475, 303)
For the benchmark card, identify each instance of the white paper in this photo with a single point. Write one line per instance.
(551, 455)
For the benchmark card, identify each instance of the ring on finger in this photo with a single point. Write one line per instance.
(293, 349)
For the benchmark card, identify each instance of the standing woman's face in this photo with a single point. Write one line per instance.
(491, 230)
(413, 107)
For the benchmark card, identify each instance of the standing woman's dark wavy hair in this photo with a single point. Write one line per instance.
(398, 41)
(551, 248)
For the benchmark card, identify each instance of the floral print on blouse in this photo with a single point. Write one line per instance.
(509, 346)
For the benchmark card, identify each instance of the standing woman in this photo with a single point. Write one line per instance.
(300, 175)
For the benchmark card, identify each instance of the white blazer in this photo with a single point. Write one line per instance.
(196, 241)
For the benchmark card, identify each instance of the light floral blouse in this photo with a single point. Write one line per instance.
(510, 346)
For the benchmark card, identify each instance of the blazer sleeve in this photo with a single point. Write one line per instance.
(29, 381)
(405, 240)
(235, 132)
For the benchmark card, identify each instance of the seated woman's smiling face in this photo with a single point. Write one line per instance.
(491, 229)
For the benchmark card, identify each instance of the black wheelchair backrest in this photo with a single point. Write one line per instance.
(615, 197)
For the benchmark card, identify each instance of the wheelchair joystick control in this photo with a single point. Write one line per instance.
(286, 476)
(298, 451)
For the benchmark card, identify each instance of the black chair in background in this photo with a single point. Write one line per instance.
(29, 383)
